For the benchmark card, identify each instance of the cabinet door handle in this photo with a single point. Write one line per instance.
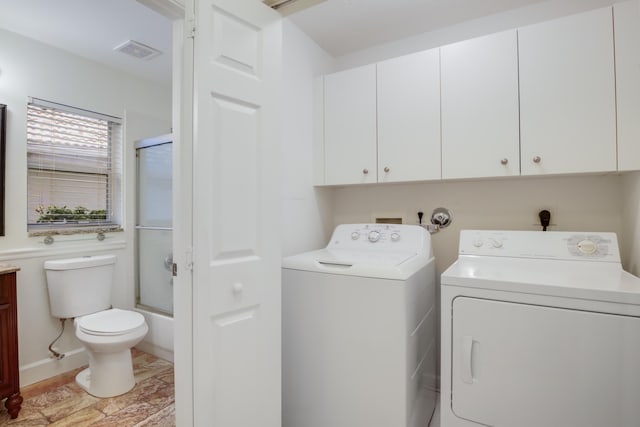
(365, 171)
(466, 372)
(504, 161)
(386, 169)
(536, 159)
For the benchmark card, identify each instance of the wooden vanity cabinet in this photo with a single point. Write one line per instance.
(9, 374)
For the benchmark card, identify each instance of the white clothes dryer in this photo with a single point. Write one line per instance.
(359, 330)
(539, 329)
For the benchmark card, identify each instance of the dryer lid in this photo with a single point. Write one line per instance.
(111, 322)
(598, 281)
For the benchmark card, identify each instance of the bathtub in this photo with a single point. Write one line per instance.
(159, 339)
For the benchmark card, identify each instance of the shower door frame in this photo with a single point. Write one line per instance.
(142, 144)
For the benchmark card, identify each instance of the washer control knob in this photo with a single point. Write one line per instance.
(478, 243)
(587, 247)
(374, 236)
(355, 235)
(496, 243)
(395, 237)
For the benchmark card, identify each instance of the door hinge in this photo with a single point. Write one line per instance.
(192, 31)
(174, 270)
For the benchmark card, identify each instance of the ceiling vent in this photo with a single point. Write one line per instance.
(137, 50)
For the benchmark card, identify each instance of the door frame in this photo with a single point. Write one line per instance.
(182, 15)
(183, 57)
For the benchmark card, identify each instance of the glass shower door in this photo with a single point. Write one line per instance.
(154, 226)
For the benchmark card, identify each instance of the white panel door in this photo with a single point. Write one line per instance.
(480, 123)
(531, 366)
(626, 17)
(236, 277)
(350, 126)
(409, 117)
(567, 95)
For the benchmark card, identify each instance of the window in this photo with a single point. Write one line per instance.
(74, 167)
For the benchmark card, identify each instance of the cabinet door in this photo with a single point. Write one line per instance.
(350, 126)
(409, 117)
(567, 95)
(9, 377)
(627, 36)
(480, 135)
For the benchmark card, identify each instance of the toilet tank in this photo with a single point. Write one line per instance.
(79, 286)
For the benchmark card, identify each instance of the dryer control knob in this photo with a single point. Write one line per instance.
(478, 243)
(395, 237)
(587, 247)
(355, 235)
(374, 236)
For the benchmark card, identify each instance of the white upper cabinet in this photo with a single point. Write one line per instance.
(567, 95)
(409, 118)
(350, 126)
(544, 99)
(480, 133)
(627, 29)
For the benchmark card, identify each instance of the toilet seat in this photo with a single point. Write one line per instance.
(111, 322)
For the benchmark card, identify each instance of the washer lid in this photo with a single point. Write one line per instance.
(350, 257)
(111, 322)
(394, 266)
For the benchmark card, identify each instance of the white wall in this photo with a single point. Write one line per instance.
(475, 28)
(307, 220)
(29, 68)
(631, 222)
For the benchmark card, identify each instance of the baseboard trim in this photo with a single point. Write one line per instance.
(157, 351)
(47, 368)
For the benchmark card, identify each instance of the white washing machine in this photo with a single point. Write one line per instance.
(540, 329)
(358, 330)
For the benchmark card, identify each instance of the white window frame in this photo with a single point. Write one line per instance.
(98, 170)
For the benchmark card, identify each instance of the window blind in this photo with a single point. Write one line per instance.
(74, 166)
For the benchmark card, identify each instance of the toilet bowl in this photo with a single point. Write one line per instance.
(108, 337)
(80, 288)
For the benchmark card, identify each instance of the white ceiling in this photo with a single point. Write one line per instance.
(92, 28)
(345, 26)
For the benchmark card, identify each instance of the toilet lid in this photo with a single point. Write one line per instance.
(111, 322)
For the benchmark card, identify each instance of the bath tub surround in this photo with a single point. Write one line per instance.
(159, 339)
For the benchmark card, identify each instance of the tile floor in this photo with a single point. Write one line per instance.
(59, 401)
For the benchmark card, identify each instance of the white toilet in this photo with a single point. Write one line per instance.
(80, 288)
